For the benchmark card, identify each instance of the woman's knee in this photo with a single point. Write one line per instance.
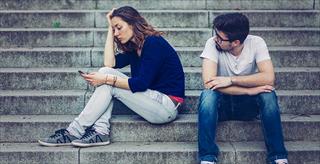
(107, 70)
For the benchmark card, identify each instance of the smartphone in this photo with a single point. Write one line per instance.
(81, 72)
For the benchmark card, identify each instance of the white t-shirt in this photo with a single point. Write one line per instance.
(255, 50)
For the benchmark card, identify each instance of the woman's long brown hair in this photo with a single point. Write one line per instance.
(141, 29)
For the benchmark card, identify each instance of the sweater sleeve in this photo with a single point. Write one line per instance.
(151, 61)
(122, 60)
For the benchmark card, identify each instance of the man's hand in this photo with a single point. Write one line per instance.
(260, 89)
(95, 78)
(218, 82)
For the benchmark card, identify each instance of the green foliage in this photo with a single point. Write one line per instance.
(56, 24)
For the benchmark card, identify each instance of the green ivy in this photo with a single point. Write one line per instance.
(56, 24)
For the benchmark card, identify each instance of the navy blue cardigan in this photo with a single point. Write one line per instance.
(158, 68)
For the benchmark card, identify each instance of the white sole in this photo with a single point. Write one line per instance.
(89, 145)
(52, 144)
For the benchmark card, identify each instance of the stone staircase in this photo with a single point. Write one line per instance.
(44, 43)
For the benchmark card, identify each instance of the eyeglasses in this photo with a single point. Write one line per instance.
(219, 39)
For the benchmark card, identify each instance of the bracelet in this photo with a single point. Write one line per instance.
(106, 81)
(114, 80)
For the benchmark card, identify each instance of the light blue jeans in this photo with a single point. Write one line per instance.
(154, 106)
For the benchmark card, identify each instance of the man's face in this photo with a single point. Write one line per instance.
(223, 44)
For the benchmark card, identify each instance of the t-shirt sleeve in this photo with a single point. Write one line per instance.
(151, 61)
(210, 51)
(122, 60)
(262, 52)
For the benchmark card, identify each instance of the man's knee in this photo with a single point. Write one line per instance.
(208, 100)
(267, 98)
(268, 101)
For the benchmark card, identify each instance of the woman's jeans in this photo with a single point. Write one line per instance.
(215, 106)
(155, 107)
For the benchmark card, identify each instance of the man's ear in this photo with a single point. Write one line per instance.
(236, 43)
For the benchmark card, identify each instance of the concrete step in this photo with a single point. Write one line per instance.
(47, 5)
(30, 128)
(287, 78)
(157, 152)
(60, 102)
(281, 56)
(290, 101)
(46, 57)
(93, 57)
(163, 4)
(179, 37)
(209, 4)
(158, 18)
(191, 37)
(41, 78)
(277, 18)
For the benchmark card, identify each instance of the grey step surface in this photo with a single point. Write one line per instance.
(304, 78)
(46, 57)
(178, 37)
(286, 78)
(281, 56)
(162, 4)
(191, 37)
(157, 18)
(30, 128)
(61, 102)
(209, 4)
(158, 153)
(45, 5)
(93, 57)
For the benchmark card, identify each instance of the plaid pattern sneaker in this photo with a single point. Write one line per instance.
(92, 138)
(60, 138)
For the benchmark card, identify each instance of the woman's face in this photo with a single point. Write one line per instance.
(122, 30)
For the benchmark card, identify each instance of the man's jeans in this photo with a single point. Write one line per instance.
(155, 107)
(215, 106)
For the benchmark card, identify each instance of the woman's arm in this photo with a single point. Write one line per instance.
(109, 58)
(96, 79)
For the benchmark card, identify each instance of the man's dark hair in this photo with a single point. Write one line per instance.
(234, 25)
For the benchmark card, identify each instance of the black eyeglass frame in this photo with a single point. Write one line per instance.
(220, 39)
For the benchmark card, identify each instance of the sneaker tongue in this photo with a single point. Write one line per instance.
(88, 133)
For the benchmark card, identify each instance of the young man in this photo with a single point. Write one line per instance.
(238, 76)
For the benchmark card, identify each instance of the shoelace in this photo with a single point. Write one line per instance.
(88, 134)
(58, 133)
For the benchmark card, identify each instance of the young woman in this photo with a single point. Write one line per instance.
(154, 91)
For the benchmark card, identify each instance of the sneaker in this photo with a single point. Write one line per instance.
(92, 138)
(60, 138)
(281, 161)
(207, 162)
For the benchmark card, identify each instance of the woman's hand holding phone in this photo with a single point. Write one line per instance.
(94, 78)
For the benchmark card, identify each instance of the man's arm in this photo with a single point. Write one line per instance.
(265, 76)
(209, 72)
